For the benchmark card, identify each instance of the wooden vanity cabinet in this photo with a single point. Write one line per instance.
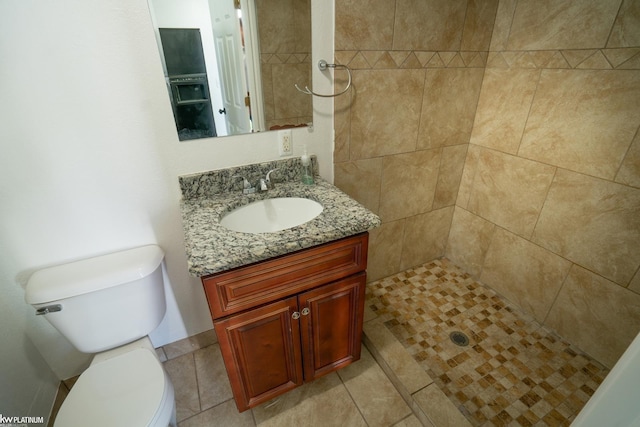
(276, 340)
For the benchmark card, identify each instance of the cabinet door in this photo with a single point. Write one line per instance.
(261, 351)
(331, 325)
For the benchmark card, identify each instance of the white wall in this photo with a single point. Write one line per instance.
(89, 164)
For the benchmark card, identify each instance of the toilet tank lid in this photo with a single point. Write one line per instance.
(92, 274)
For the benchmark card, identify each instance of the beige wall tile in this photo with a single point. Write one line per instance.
(364, 24)
(558, 24)
(385, 112)
(408, 184)
(288, 101)
(425, 237)
(428, 24)
(361, 180)
(267, 91)
(392, 113)
(594, 223)
(503, 107)
(468, 175)
(451, 165)
(276, 29)
(502, 25)
(449, 106)
(478, 24)
(469, 240)
(629, 172)
(385, 61)
(635, 283)
(591, 128)
(342, 122)
(596, 61)
(575, 57)
(626, 29)
(385, 250)
(496, 60)
(599, 316)
(632, 64)
(510, 191)
(302, 25)
(524, 273)
(619, 56)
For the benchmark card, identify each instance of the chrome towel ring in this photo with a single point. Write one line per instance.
(323, 65)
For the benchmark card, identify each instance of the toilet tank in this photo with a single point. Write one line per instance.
(102, 302)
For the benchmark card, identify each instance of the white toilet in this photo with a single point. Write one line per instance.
(108, 305)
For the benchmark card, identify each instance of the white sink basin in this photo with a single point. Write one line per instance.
(270, 215)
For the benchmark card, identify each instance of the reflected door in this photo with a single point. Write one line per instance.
(227, 34)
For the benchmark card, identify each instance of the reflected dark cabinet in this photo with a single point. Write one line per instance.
(187, 81)
(289, 320)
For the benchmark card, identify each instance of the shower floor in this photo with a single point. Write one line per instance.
(513, 371)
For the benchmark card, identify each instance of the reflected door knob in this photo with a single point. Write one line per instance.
(223, 111)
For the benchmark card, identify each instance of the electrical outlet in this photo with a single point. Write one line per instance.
(285, 145)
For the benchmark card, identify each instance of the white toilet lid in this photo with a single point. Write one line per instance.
(124, 390)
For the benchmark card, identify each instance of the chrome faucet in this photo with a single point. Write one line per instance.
(265, 183)
(247, 188)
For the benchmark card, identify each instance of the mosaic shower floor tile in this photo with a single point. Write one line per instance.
(512, 371)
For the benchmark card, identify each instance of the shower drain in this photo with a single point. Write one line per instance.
(459, 338)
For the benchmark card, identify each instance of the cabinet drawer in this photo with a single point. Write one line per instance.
(250, 286)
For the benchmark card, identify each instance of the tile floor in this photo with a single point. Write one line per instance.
(358, 395)
(513, 371)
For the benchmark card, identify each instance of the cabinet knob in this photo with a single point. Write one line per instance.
(305, 311)
(295, 315)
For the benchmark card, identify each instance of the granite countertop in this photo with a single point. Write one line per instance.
(212, 248)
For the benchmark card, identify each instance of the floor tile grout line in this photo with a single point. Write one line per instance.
(353, 400)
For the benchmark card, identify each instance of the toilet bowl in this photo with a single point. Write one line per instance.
(107, 305)
(128, 388)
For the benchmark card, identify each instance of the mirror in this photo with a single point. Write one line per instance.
(231, 65)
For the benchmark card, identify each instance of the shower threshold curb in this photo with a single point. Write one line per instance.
(427, 402)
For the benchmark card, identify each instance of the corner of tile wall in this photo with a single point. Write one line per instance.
(524, 146)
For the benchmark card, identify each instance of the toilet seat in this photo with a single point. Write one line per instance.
(130, 389)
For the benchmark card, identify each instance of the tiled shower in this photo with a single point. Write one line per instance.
(502, 135)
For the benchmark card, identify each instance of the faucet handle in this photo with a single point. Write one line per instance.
(247, 187)
(268, 177)
(266, 182)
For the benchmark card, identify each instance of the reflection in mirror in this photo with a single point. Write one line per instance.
(231, 65)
